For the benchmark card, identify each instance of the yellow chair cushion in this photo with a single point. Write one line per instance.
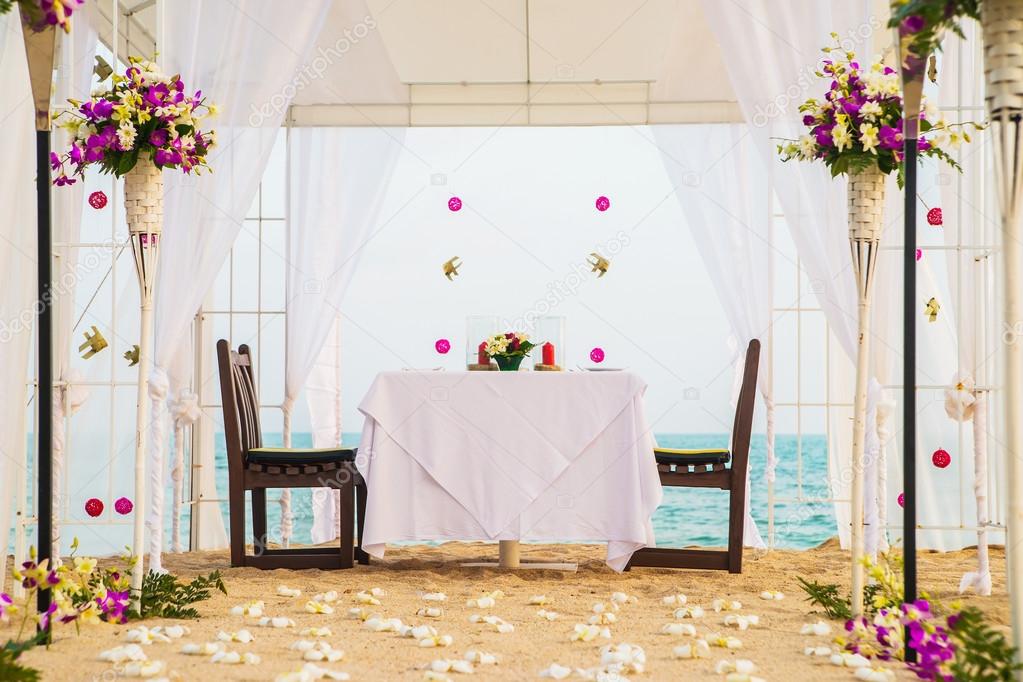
(685, 456)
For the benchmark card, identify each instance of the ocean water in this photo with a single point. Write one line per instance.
(686, 516)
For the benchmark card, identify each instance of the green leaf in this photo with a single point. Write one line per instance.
(164, 596)
(10, 669)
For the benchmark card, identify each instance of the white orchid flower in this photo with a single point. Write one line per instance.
(204, 649)
(436, 641)
(174, 631)
(358, 613)
(122, 654)
(819, 629)
(377, 624)
(724, 642)
(285, 591)
(234, 658)
(316, 632)
(319, 607)
(480, 657)
(367, 598)
(446, 665)
(327, 597)
(739, 665)
(698, 649)
(689, 612)
(419, 631)
(556, 672)
(587, 633)
(252, 608)
(679, 629)
(144, 636)
(539, 600)
(771, 595)
(276, 622)
(720, 605)
(323, 652)
(435, 596)
(430, 612)
(675, 600)
(143, 669)
(242, 636)
(874, 674)
(850, 660)
(740, 621)
(547, 615)
(623, 657)
(494, 622)
(817, 651)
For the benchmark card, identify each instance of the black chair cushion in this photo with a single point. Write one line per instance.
(691, 457)
(299, 456)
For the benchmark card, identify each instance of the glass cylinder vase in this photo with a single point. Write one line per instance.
(549, 337)
(477, 329)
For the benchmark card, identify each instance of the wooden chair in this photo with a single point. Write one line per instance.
(707, 469)
(251, 467)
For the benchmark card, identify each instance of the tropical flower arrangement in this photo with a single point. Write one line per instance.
(43, 13)
(859, 123)
(144, 113)
(509, 349)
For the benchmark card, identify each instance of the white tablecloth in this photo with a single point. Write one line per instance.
(542, 456)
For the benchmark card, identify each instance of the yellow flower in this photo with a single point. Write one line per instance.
(868, 137)
(122, 112)
(841, 137)
(85, 565)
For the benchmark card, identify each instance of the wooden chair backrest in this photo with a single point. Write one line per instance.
(742, 427)
(241, 404)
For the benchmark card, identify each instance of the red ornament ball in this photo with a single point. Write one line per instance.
(123, 505)
(934, 217)
(97, 200)
(919, 254)
(603, 203)
(597, 355)
(94, 506)
(941, 458)
(454, 204)
(902, 499)
(442, 346)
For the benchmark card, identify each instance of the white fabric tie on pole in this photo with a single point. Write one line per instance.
(184, 411)
(159, 385)
(67, 400)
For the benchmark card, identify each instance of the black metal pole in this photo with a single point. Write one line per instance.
(909, 383)
(44, 360)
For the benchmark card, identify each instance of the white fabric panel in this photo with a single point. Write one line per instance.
(244, 62)
(17, 263)
(723, 194)
(338, 180)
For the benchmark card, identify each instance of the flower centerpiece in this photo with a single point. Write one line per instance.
(42, 13)
(509, 349)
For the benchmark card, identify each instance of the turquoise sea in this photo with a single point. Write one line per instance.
(686, 516)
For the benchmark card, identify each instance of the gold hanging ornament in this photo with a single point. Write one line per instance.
(598, 264)
(932, 69)
(132, 356)
(451, 268)
(931, 309)
(93, 344)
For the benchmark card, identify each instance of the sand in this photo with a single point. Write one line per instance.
(407, 572)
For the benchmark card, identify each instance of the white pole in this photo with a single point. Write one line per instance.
(141, 429)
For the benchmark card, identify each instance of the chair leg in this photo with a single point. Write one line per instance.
(736, 521)
(236, 503)
(259, 540)
(360, 500)
(347, 528)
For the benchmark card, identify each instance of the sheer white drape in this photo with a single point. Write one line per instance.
(338, 180)
(723, 192)
(17, 263)
(244, 57)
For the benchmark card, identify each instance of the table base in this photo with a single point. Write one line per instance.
(509, 559)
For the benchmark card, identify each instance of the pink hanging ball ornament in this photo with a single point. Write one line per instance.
(919, 254)
(934, 217)
(93, 507)
(454, 204)
(442, 346)
(597, 355)
(97, 200)
(941, 458)
(902, 499)
(123, 506)
(603, 203)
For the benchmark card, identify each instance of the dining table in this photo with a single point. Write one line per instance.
(552, 457)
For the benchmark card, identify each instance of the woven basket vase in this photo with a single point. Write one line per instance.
(866, 205)
(143, 197)
(1002, 22)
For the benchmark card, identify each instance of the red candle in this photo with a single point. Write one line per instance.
(548, 353)
(482, 358)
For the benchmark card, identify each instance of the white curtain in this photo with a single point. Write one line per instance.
(723, 193)
(338, 180)
(17, 263)
(244, 59)
(74, 79)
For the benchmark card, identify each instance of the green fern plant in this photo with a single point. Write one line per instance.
(164, 596)
(982, 653)
(10, 669)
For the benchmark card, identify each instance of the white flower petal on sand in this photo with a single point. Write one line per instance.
(605, 618)
(358, 613)
(698, 649)
(377, 624)
(874, 674)
(320, 607)
(480, 657)
(689, 612)
(547, 615)
(446, 665)
(367, 598)
(556, 672)
(494, 622)
(539, 600)
(724, 642)
(377, 592)
(850, 660)
(587, 633)
(434, 676)
(234, 658)
(820, 629)
(323, 652)
(243, 636)
(481, 603)
(143, 669)
(720, 605)
(742, 677)
(430, 612)
(302, 645)
(679, 629)
(739, 665)
(623, 657)
(418, 631)
(173, 631)
(436, 641)
(285, 591)
(327, 597)
(675, 600)
(742, 622)
(252, 608)
(772, 595)
(311, 672)
(622, 598)
(121, 654)
(276, 622)
(316, 632)
(817, 651)
(435, 596)
(204, 649)
(144, 636)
